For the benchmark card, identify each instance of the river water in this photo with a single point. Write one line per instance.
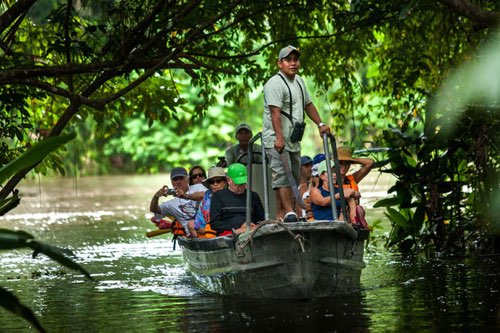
(141, 284)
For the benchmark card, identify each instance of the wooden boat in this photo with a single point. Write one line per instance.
(281, 260)
(299, 260)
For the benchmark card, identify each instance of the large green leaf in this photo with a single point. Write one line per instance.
(58, 254)
(19, 239)
(10, 302)
(393, 201)
(34, 155)
(398, 218)
(10, 239)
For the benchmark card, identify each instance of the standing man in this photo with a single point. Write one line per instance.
(286, 99)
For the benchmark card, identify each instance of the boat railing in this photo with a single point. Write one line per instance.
(330, 148)
(328, 157)
(250, 152)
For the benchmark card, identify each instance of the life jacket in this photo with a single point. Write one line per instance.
(177, 229)
(351, 183)
(209, 232)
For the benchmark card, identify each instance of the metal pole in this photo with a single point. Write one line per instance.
(339, 178)
(330, 178)
(264, 174)
(248, 215)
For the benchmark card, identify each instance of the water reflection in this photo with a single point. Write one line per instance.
(142, 286)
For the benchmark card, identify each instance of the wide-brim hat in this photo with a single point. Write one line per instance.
(345, 154)
(215, 172)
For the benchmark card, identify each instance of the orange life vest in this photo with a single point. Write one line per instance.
(177, 229)
(209, 232)
(352, 183)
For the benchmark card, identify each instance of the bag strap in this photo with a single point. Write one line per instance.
(289, 115)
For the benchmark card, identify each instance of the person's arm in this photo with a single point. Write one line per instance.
(154, 206)
(313, 114)
(279, 142)
(196, 196)
(320, 200)
(366, 166)
(195, 193)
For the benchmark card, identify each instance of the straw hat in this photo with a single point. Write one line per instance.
(345, 154)
(214, 172)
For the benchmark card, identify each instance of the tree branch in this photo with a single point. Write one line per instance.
(19, 8)
(9, 76)
(61, 92)
(175, 52)
(481, 18)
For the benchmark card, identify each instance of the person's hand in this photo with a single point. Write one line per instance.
(349, 193)
(279, 145)
(324, 129)
(180, 193)
(162, 192)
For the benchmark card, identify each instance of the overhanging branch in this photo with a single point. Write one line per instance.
(481, 18)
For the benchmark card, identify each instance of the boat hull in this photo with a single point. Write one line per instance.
(293, 261)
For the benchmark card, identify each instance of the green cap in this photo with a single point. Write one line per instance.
(238, 173)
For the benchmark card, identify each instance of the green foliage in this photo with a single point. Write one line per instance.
(10, 302)
(34, 155)
(17, 240)
(445, 184)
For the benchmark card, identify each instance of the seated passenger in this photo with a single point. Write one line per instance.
(320, 195)
(197, 175)
(350, 182)
(228, 207)
(306, 164)
(237, 153)
(201, 227)
(184, 204)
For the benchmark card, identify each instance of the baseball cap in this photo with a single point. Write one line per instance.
(285, 52)
(318, 158)
(243, 126)
(305, 160)
(179, 171)
(238, 173)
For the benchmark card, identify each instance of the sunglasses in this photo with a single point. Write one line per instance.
(215, 181)
(197, 175)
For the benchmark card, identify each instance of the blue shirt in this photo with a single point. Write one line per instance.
(325, 212)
